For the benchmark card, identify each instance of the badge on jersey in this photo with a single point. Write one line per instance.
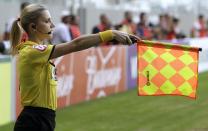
(54, 71)
(40, 47)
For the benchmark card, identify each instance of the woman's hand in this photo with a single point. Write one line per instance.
(125, 38)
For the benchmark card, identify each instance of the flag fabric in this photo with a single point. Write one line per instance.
(167, 69)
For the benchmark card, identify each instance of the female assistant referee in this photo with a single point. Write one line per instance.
(37, 81)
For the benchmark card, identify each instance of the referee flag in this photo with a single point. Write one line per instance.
(167, 69)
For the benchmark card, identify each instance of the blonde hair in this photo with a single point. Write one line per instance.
(30, 14)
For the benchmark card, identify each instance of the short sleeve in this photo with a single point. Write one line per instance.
(40, 53)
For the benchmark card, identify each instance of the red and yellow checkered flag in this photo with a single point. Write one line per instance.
(167, 69)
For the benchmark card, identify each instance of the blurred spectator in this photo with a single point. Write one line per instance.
(61, 32)
(164, 21)
(11, 20)
(105, 24)
(2, 47)
(74, 27)
(165, 24)
(157, 33)
(175, 30)
(167, 27)
(199, 27)
(127, 25)
(5, 47)
(171, 34)
(143, 29)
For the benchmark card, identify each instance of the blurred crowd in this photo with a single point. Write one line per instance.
(166, 29)
(68, 29)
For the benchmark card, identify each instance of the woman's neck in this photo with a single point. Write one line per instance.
(35, 39)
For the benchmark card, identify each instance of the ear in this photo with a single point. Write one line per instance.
(32, 26)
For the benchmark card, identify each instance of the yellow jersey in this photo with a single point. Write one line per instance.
(36, 75)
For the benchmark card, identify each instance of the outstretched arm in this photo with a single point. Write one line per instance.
(88, 41)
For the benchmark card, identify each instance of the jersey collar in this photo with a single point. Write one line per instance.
(26, 43)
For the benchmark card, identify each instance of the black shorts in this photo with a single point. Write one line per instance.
(35, 119)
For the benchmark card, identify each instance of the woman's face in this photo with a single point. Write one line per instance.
(44, 26)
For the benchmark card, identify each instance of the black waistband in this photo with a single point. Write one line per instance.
(39, 109)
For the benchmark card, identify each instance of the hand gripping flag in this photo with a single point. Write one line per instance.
(167, 69)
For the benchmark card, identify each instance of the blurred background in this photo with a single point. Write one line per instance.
(112, 70)
(187, 11)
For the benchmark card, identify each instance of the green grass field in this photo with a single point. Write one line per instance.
(129, 112)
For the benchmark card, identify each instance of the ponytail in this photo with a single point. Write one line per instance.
(29, 14)
(15, 36)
